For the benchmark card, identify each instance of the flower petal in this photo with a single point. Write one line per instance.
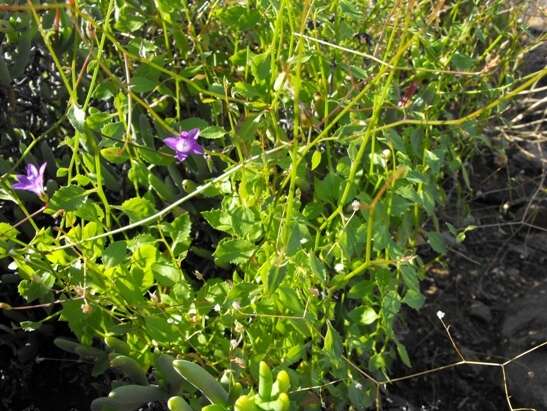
(196, 148)
(42, 170)
(193, 134)
(32, 171)
(171, 142)
(23, 183)
(180, 156)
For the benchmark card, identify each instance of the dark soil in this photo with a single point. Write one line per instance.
(35, 375)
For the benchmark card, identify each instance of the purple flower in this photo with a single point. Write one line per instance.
(185, 144)
(33, 181)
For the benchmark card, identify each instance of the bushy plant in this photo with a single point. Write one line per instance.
(245, 181)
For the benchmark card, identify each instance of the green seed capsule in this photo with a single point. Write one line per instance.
(245, 403)
(177, 403)
(265, 381)
(117, 345)
(283, 400)
(283, 381)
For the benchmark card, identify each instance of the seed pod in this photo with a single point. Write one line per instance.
(177, 403)
(280, 404)
(130, 368)
(202, 380)
(282, 382)
(133, 396)
(245, 403)
(117, 345)
(265, 381)
(172, 380)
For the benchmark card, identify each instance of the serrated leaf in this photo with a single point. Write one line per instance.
(166, 274)
(90, 211)
(115, 254)
(68, 198)
(233, 251)
(138, 208)
(179, 230)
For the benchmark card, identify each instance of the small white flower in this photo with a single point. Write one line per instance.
(217, 308)
(12, 266)
(358, 386)
(339, 267)
(355, 205)
(440, 315)
(236, 305)
(234, 343)
(304, 240)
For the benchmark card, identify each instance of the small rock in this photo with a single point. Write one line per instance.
(525, 326)
(480, 311)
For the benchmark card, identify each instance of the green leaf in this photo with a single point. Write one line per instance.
(361, 290)
(193, 122)
(328, 189)
(76, 117)
(113, 130)
(248, 128)
(332, 343)
(213, 132)
(403, 354)
(410, 277)
(128, 18)
(414, 299)
(166, 274)
(218, 220)
(239, 18)
(272, 274)
(160, 330)
(462, 61)
(142, 84)
(436, 242)
(233, 251)
(69, 198)
(37, 288)
(116, 155)
(317, 268)
(85, 327)
(90, 211)
(7, 235)
(391, 304)
(315, 159)
(115, 254)
(138, 208)
(179, 230)
(368, 316)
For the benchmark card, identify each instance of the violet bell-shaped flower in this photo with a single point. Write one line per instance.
(33, 181)
(185, 144)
